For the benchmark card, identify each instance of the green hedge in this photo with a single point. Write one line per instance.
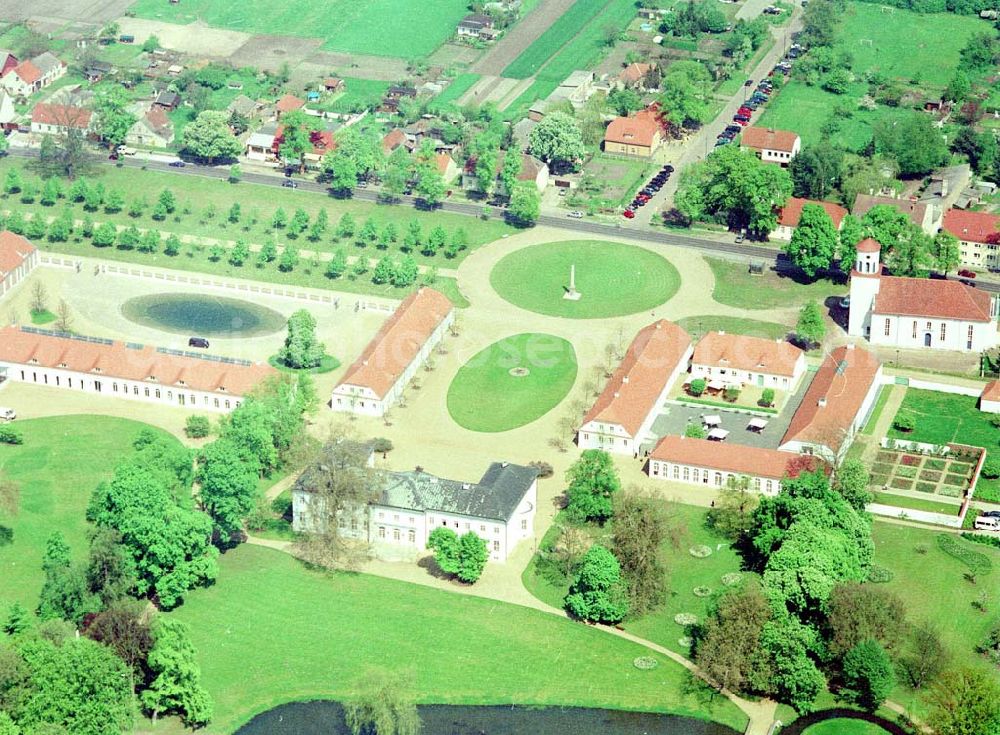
(976, 562)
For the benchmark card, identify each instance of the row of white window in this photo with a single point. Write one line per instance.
(182, 398)
(694, 474)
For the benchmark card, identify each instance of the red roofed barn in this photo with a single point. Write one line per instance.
(377, 378)
(18, 258)
(621, 418)
(135, 372)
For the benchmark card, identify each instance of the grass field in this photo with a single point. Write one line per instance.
(883, 397)
(945, 417)
(698, 326)
(459, 86)
(614, 279)
(844, 726)
(60, 463)
(918, 47)
(585, 48)
(485, 396)
(400, 28)
(541, 50)
(734, 286)
(904, 501)
(301, 634)
(357, 92)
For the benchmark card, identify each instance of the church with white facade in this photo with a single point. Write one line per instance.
(917, 313)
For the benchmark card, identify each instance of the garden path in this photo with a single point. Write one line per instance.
(883, 424)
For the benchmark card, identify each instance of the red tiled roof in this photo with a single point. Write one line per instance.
(792, 212)
(717, 349)
(634, 387)
(640, 129)
(28, 72)
(634, 72)
(840, 385)
(991, 392)
(288, 103)
(442, 161)
(14, 250)
(972, 226)
(399, 340)
(115, 360)
(932, 299)
(869, 245)
(332, 82)
(322, 140)
(914, 210)
(66, 116)
(742, 460)
(768, 139)
(392, 140)
(157, 117)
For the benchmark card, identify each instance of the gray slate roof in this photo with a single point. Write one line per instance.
(46, 62)
(496, 496)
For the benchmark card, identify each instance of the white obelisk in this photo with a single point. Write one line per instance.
(572, 294)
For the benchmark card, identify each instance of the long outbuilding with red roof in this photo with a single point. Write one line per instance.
(376, 380)
(18, 258)
(978, 236)
(125, 370)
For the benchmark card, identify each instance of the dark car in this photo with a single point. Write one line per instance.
(741, 118)
(668, 168)
(723, 141)
(991, 513)
(732, 128)
(748, 83)
(177, 164)
(289, 184)
(200, 342)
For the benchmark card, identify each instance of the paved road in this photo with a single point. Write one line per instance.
(635, 230)
(702, 142)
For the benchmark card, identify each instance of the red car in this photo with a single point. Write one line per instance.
(743, 123)
(966, 274)
(628, 214)
(745, 111)
(643, 197)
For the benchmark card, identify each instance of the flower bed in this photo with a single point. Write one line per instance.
(700, 551)
(907, 472)
(732, 579)
(935, 464)
(926, 487)
(702, 591)
(930, 476)
(901, 483)
(889, 457)
(645, 663)
(882, 468)
(911, 460)
(685, 618)
(955, 479)
(952, 491)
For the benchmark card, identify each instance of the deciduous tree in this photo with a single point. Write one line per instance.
(592, 482)
(208, 137)
(557, 141)
(814, 242)
(176, 687)
(598, 593)
(810, 328)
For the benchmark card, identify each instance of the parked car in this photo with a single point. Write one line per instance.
(575, 214)
(732, 129)
(289, 184)
(177, 164)
(199, 342)
(723, 141)
(744, 110)
(740, 236)
(7, 414)
(628, 213)
(987, 523)
(966, 273)
(668, 168)
(991, 513)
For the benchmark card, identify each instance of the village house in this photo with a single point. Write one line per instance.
(622, 416)
(167, 100)
(393, 95)
(788, 217)
(920, 213)
(244, 107)
(151, 130)
(393, 140)
(377, 379)
(978, 236)
(771, 146)
(639, 135)
(500, 509)
(32, 75)
(260, 145)
(918, 312)
(446, 166)
(8, 113)
(321, 140)
(473, 25)
(532, 169)
(703, 462)
(95, 71)
(738, 359)
(126, 370)
(18, 258)
(59, 119)
(288, 103)
(332, 85)
(989, 400)
(836, 404)
(634, 76)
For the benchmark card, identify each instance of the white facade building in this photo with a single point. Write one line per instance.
(500, 509)
(918, 312)
(376, 380)
(735, 358)
(621, 418)
(130, 371)
(18, 258)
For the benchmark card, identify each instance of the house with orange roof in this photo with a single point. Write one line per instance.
(770, 145)
(638, 135)
(989, 400)
(635, 74)
(788, 217)
(126, 370)
(736, 358)
(51, 119)
(978, 236)
(288, 103)
(33, 74)
(18, 258)
(918, 312)
(378, 378)
(703, 462)
(836, 404)
(622, 416)
(322, 143)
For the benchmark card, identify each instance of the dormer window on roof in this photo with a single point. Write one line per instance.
(62, 365)
(33, 360)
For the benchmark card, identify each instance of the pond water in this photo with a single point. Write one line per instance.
(202, 315)
(327, 718)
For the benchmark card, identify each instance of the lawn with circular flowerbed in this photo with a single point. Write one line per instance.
(512, 382)
(613, 279)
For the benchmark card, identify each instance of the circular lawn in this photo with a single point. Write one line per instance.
(613, 279)
(512, 382)
(844, 726)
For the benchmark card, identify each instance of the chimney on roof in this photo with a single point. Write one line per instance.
(658, 325)
(722, 331)
(364, 362)
(504, 463)
(625, 380)
(466, 486)
(821, 402)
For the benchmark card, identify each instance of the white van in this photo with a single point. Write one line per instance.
(7, 414)
(987, 523)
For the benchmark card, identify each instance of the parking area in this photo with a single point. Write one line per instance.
(675, 418)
